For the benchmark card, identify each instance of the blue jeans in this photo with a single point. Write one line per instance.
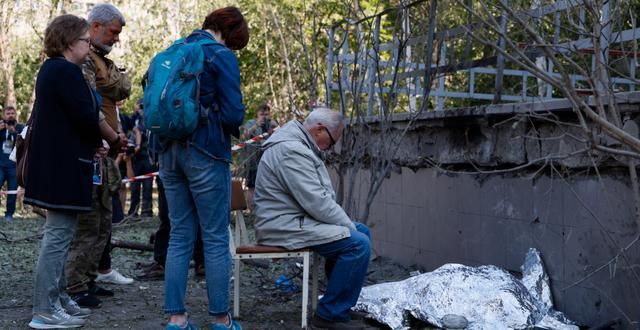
(8, 172)
(197, 188)
(351, 257)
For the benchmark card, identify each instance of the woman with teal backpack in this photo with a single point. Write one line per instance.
(196, 176)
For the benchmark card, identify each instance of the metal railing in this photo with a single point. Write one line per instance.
(373, 68)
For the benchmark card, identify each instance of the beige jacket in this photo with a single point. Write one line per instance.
(295, 201)
(112, 84)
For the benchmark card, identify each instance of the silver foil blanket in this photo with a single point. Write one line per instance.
(485, 297)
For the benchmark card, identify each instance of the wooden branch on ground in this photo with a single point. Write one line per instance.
(5, 237)
(39, 211)
(131, 245)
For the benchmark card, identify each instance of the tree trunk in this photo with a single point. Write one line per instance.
(275, 104)
(285, 53)
(5, 52)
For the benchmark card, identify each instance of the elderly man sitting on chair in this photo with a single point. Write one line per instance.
(295, 208)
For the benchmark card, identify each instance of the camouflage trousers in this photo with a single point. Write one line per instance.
(93, 232)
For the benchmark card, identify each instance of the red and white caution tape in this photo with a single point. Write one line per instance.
(141, 177)
(236, 147)
(253, 140)
(10, 192)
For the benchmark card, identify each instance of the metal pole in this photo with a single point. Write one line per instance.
(428, 56)
(373, 66)
(603, 54)
(497, 94)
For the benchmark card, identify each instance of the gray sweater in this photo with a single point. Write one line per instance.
(295, 202)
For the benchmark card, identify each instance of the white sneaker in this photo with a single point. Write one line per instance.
(113, 277)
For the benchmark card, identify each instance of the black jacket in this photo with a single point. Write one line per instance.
(64, 139)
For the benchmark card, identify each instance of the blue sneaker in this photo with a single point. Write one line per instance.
(174, 326)
(233, 326)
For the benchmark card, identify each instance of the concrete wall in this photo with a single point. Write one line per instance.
(579, 221)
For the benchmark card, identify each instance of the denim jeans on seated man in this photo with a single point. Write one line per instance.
(197, 188)
(349, 258)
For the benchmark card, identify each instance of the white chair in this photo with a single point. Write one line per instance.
(241, 248)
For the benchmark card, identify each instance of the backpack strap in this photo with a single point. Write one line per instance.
(208, 40)
(204, 112)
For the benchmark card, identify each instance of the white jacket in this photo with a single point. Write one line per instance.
(294, 201)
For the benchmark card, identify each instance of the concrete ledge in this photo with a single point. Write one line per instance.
(628, 101)
(493, 136)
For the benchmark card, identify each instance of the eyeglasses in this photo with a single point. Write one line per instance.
(87, 40)
(333, 142)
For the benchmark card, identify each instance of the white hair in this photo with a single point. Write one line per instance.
(329, 118)
(104, 13)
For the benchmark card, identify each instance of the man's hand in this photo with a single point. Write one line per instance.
(120, 144)
(103, 151)
(123, 139)
(11, 128)
(2, 125)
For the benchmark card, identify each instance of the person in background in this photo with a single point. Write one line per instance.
(117, 203)
(139, 152)
(126, 122)
(9, 130)
(90, 254)
(196, 175)
(154, 270)
(252, 153)
(66, 132)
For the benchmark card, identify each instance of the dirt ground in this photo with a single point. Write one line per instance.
(139, 305)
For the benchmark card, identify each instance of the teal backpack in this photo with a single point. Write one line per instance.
(172, 90)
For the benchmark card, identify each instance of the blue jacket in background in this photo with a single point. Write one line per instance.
(4, 136)
(219, 86)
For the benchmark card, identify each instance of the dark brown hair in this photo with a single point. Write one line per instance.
(63, 31)
(231, 25)
(264, 107)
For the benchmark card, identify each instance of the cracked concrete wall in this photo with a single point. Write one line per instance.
(427, 217)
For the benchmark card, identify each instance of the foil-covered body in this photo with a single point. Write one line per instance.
(487, 296)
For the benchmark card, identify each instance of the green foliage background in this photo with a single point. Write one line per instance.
(153, 24)
(293, 30)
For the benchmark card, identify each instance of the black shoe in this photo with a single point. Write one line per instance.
(144, 264)
(86, 300)
(199, 270)
(319, 323)
(96, 290)
(357, 315)
(154, 272)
